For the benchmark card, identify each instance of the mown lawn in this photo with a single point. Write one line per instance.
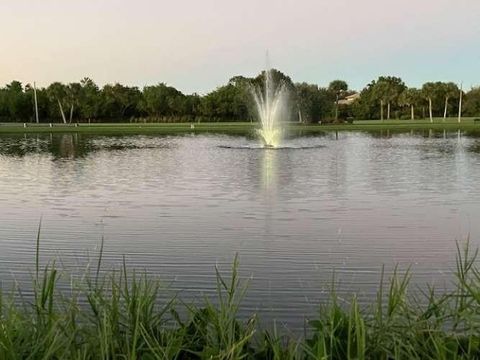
(239, 128)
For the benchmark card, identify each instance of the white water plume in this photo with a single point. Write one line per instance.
(271, 102)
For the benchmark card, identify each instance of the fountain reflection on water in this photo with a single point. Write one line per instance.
(269, 172)
(271, 102)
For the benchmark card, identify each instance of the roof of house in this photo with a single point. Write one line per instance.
(349, 99)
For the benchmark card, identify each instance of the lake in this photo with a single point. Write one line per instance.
(337, 205)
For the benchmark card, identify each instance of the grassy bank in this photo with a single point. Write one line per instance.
(238, 128)
(121, 316)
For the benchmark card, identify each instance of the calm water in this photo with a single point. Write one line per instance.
(176, 206)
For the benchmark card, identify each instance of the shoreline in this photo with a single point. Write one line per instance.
(235, 128)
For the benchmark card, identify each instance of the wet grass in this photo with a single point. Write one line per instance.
(239, 128)
(121, 316)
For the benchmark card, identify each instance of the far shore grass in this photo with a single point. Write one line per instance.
(238, 128)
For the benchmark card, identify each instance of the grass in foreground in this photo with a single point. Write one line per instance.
(120, 316)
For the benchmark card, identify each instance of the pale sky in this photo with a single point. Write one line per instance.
(197, 45)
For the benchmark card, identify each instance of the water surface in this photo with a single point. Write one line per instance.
(178, 205)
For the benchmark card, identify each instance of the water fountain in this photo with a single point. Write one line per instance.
(271, 102)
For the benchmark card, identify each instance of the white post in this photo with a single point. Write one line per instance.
(300, 120)
(460, 104)
(71, 114)
(35, 99)
(446, 107)
(61, 111)
(430, 109)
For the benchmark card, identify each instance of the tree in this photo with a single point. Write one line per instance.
(162, 100)
(15, 102)
(89, 101)
(387, 89)
(437, 94)
(192, 105)
(450, 90)
(429, 92)
(471, 106)
(314, 103)
(278, 77)
(58, 93)
(118, 101)
(337, 87)
(226, 102)
(74, 91)
(410, 97)
(366, 107)
(234, 101)
(379, 92)
(43, 102)
(245, 89)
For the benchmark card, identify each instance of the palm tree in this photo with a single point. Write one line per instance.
(74, 91)
(388, 89)
(429, 91)
(410, 97)
(57, 92)
(379, 90)
(450, 90)
(337, 87)
(460, 104)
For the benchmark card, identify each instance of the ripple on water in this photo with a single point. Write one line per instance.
(176, 206)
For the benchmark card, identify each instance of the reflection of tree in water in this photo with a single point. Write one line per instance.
(473, 147)
(67, 148)
(21, 145)
(58, 145)
(423, 133)
(74, 145)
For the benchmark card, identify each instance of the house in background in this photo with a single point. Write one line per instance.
(348, 100)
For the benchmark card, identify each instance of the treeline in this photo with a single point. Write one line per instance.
(85, 101)
(389, 97)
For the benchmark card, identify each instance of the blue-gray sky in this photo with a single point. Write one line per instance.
(197, 45)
